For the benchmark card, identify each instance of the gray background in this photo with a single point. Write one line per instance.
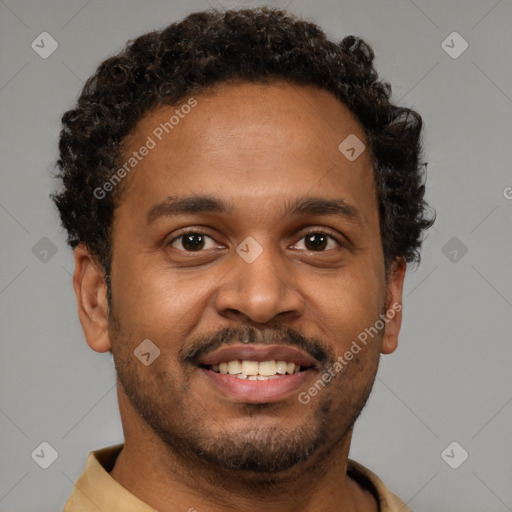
(450, 378)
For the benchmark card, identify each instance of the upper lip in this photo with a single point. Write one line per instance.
(255, 352)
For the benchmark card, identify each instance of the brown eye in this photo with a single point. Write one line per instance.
(316, 241)
(192, 241)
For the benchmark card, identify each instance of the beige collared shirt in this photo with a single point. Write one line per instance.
(96, 490)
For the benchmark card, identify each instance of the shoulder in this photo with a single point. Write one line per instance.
(388, 501)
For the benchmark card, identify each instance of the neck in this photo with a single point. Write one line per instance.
(148, 469)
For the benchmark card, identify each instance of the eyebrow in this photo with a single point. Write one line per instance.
(173, 206)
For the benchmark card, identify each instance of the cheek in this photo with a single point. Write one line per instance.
(347, 305)
(155, 303)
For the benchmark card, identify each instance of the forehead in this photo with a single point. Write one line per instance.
(248, 142)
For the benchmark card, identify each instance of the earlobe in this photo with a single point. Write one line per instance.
(393, 319)
(91, 295)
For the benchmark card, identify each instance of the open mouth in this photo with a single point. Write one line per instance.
(256, 370)
(257, 373)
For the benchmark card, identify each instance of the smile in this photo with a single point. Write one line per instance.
(255, 370)
(257, 373)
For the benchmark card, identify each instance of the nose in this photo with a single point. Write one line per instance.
(260, 289)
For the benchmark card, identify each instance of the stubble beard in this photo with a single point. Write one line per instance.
(253, 454)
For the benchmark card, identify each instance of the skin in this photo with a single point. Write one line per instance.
(259, 147)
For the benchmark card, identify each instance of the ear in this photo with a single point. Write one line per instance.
(91, 296)
(393, 317)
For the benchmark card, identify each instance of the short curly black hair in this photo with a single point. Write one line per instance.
(251, 45)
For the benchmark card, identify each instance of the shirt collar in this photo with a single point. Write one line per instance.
(97, 491)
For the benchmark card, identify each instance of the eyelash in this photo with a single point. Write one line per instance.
(309, 232)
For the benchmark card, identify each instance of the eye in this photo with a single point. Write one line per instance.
(318, 241)
(197, 241)
(193, 241)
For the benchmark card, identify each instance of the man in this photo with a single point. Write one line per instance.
(242, 199)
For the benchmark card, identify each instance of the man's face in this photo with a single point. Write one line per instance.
(259, 281)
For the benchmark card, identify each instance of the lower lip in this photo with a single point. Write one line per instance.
(256, 391)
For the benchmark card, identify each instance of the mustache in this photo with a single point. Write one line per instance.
(203, 345)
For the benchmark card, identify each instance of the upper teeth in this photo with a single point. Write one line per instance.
(255, 368)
